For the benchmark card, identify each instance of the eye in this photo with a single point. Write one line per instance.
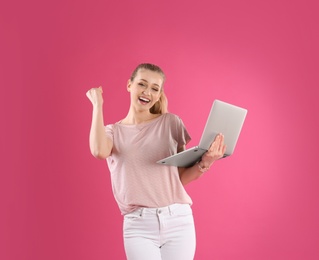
(155, 89)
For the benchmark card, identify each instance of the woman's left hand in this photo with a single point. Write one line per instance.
(215, 151)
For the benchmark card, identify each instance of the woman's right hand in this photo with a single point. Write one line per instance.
(95, 96)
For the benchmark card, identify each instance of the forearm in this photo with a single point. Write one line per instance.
(190, 174)
(100, 145)
(215, 152)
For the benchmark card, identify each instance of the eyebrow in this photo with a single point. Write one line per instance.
(153, 83)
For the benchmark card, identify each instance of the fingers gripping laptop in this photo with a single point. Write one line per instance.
(223, 118)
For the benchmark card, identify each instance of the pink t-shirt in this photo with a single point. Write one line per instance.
(137, 180)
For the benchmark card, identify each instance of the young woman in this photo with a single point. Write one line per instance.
(158, 220)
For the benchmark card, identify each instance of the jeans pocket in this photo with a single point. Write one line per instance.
(137, 214)
(131, 223)
(183, 210)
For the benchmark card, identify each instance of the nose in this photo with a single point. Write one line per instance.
(146, 92)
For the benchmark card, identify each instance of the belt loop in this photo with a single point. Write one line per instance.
(141, 213)
(170, 210)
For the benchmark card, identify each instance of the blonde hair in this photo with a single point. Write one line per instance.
(160, 107)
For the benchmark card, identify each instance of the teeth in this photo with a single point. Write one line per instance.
(144, 99)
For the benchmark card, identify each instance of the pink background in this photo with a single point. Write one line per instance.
(56, 199)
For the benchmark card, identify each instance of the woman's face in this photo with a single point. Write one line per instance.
(145, 89)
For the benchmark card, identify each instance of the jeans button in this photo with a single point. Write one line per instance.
(159, 211)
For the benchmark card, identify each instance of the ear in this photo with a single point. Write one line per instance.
(128, 87)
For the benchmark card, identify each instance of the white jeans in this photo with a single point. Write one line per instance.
(166, 233)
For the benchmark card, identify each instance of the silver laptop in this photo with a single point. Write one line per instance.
(223, 118)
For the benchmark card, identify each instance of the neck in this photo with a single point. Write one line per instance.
(135, 117)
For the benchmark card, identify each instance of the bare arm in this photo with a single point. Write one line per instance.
(100, 145)
(215, 152)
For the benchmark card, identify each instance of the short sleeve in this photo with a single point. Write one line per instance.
(109, 131)
(183, 137)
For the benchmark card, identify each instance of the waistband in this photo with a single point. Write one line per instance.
(168, 210)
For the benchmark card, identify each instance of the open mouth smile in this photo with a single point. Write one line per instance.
(144, 100)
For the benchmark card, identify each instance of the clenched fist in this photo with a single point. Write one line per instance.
(95, 96)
